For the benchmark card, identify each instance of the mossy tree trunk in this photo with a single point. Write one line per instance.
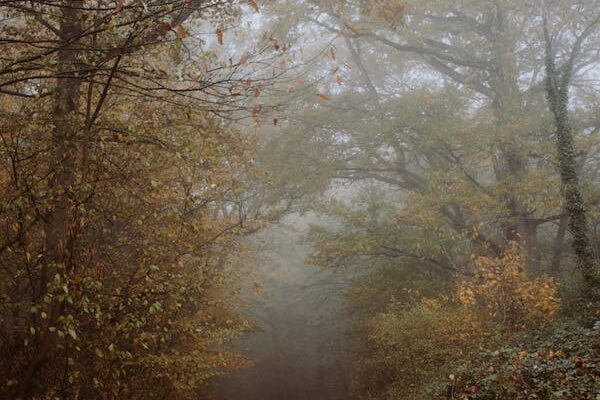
(558, 81)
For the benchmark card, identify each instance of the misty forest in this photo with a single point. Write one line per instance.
(299, 199)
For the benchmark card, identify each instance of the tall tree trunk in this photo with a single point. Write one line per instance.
(574, 203)
(59, 224)
(557, 91)
(64, 139)
(507, 105)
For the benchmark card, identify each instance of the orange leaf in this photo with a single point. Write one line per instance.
(323, 96)
(353, 30)
(254, 4)
(181, 31)
(220, 36)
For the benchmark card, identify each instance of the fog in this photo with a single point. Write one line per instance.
(425, 141)
(299, 200)
(300, 347)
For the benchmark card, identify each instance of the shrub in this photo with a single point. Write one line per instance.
(412, 350)
(503, 294)
(561, 364)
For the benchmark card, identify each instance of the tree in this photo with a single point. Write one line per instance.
(558, 82)
(470, 152)
(120, 181)
(427, 130)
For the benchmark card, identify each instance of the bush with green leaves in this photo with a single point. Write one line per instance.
(563, 363)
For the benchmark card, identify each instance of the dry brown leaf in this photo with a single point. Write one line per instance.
(353, 30)
(163, 26)
(254, 4)
(256, 113)
(181, 31)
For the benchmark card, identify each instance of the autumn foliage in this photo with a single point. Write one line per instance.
(448, 150)
(121, 191)
(503, 294)
(414, 348)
